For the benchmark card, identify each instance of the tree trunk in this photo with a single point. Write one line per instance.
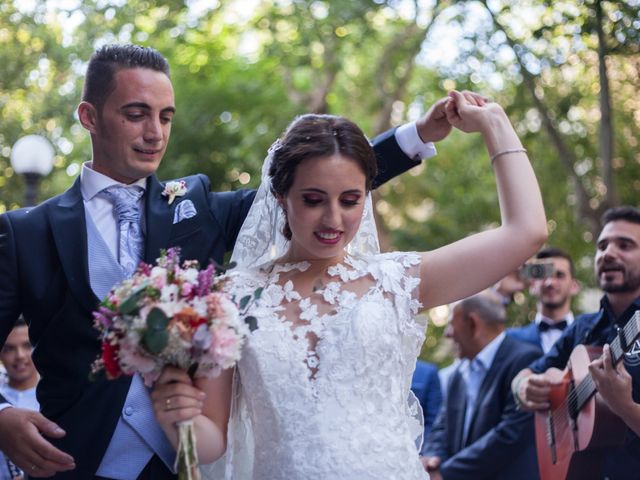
(606, 128)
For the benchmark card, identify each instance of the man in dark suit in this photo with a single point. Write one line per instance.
(425, 385)
(479, 433)
(554, 294)
(59, 259)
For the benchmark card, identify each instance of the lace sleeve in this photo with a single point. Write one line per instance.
(398, 275)
(414, 329)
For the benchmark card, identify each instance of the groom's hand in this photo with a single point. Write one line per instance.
(22, 440)
(434, 126)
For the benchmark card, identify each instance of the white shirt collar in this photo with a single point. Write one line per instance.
(92, 182)
(488, 353)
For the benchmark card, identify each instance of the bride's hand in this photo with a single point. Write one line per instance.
(175, 398)
(468, 114)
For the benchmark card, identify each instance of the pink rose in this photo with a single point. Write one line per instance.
(187, 289)
(131, 360)
(225, 347)
(221, 309)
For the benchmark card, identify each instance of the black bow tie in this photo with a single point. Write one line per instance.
(544, 326)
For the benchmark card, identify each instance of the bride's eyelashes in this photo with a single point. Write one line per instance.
(312, 199)
(349, 200)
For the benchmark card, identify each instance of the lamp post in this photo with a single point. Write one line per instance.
(32, 156)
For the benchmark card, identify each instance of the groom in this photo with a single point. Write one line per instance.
(59, 259)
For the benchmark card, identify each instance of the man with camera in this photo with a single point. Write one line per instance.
(551, 279)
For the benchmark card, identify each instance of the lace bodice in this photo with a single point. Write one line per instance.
(324, 381)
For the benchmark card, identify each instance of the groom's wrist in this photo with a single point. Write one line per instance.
(411, 144)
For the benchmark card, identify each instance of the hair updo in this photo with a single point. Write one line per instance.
(318, 136)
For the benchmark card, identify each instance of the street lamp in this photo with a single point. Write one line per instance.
(32, 156)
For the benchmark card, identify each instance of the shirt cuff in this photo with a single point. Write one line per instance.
(5, 405)
(411, 144)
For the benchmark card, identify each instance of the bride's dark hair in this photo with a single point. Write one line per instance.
(317, 136)
(311, 136)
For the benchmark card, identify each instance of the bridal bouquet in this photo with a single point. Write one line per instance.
(171, 314)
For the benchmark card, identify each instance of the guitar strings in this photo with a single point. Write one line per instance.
(560, 416)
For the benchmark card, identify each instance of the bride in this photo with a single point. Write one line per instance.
(323, 387)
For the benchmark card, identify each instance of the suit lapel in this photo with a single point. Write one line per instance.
(158, 220)
(68, 226)
(535, 334)
(532, 333)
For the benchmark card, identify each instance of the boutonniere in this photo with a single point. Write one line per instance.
(174, 189)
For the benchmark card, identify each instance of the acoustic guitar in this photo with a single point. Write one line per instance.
(571, 435)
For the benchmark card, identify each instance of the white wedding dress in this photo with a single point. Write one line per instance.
(322, 391)
(341, 410)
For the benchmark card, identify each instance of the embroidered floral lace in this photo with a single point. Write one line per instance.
(323, 387)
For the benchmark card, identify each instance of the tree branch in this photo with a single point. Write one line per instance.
(566, 156)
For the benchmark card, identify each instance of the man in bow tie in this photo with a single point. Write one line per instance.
(59, 259)
(554, 294)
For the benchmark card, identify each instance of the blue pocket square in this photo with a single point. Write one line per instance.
(184, 210)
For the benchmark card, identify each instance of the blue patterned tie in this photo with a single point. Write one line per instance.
(473, 380)
(130, 238)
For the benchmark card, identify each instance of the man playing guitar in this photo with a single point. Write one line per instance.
(617, 269)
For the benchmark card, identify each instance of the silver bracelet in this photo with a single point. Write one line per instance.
(505, 152)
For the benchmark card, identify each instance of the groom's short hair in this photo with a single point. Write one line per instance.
(108, 60)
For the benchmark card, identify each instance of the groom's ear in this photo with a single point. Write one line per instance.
(88, 116)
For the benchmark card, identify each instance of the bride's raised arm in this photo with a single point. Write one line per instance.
(469, 265)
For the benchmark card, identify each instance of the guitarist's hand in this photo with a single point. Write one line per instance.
(613, 384)
(532, 390)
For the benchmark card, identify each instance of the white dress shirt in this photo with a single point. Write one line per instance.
(411, 144)
(474, 371)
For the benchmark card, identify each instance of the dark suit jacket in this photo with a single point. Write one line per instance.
(425, 385)
(528, 333)
(44, 276)
(501, 442)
